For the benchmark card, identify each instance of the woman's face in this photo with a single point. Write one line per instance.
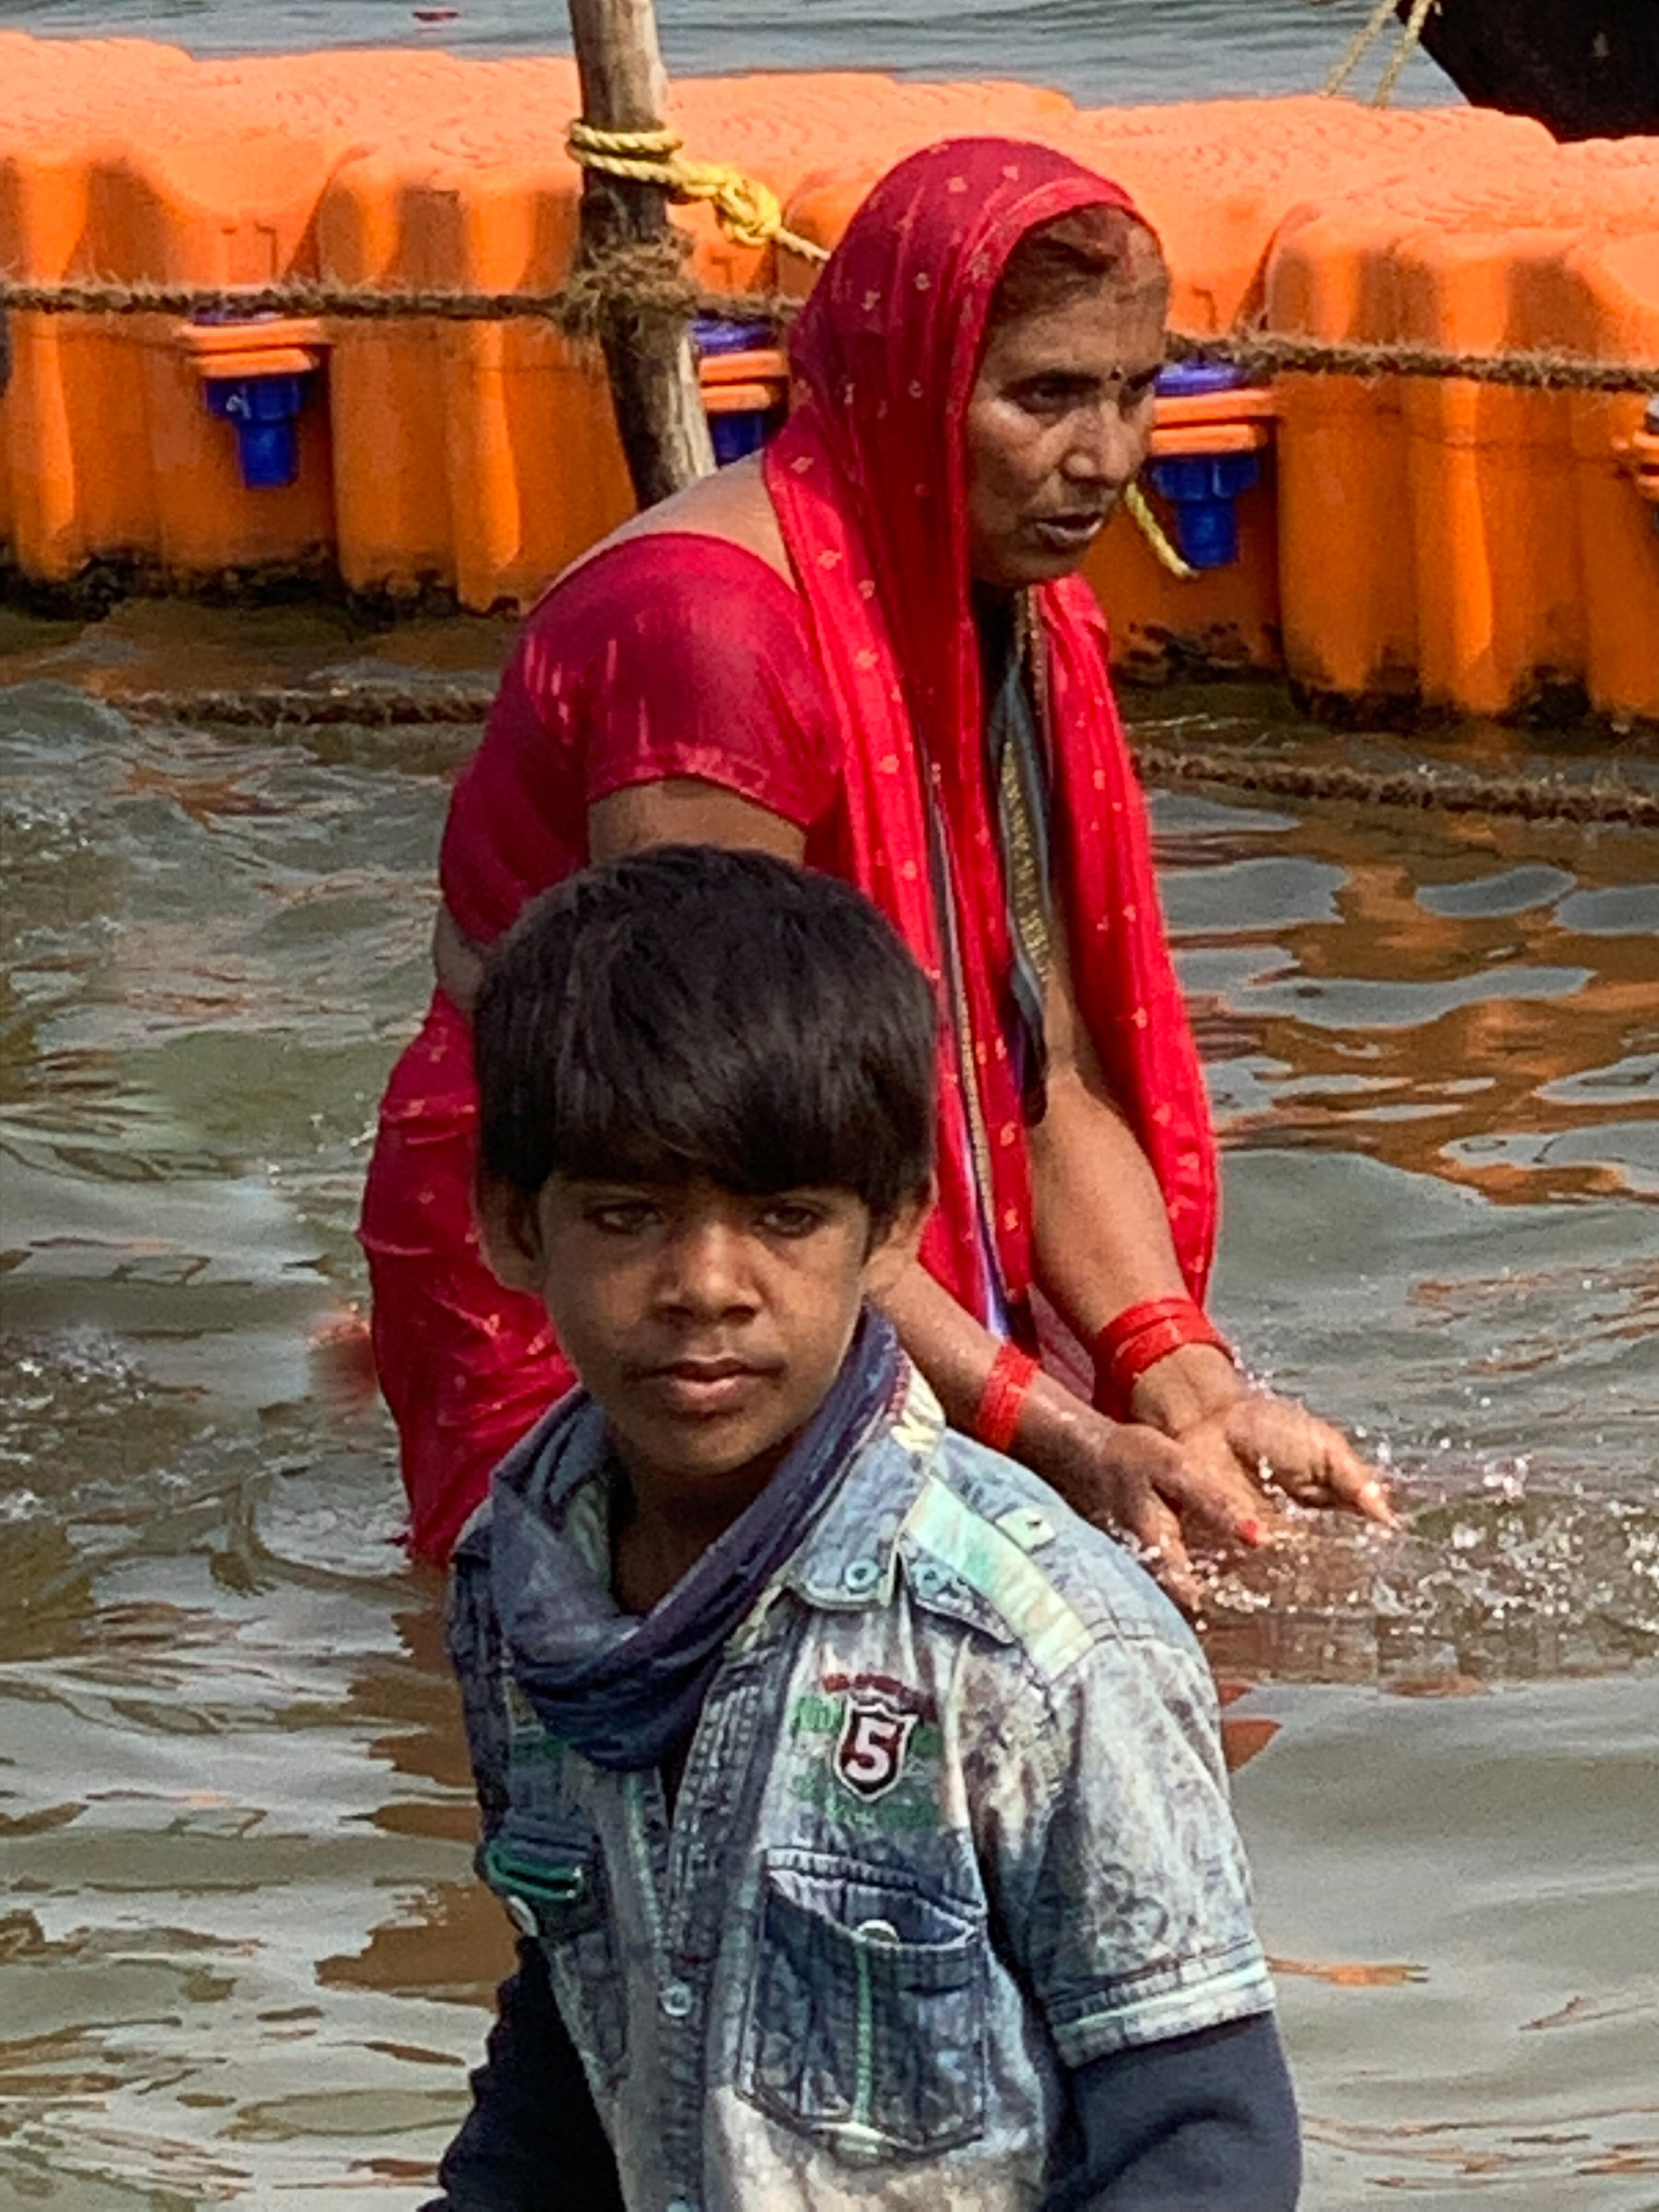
(1057, 425)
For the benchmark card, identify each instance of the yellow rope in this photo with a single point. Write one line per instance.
(1152, 531)
(748, 212)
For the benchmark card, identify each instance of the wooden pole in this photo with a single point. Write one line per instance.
(647, 352)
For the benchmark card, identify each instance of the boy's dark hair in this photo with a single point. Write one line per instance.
(692, 1010)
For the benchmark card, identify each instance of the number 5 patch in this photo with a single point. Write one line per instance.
(875, 1735)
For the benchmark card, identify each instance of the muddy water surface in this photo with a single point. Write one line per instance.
(241, 1956)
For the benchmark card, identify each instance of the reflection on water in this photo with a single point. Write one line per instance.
(242, 1955)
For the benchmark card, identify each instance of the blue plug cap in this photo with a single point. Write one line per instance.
(1203, 489)
(1194, 379)
(713, 334)
(263, 411)
(732, 437)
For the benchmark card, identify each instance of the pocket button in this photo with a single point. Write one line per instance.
(676, 2000)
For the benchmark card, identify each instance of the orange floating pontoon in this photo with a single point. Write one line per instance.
(1468, 546)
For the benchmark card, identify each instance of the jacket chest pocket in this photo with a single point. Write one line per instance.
(552, 1884)
(865, 2026)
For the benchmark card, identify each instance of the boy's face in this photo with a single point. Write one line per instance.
(709, 1326)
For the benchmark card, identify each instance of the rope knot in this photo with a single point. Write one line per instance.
(748, 212)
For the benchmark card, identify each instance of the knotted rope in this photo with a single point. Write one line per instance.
(748, 212)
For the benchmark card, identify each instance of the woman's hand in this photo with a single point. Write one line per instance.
(1275, 1441)
(1139, 1486)
(1230, 1432)
(1208, 1479)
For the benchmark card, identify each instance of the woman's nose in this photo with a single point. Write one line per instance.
(1110, 444)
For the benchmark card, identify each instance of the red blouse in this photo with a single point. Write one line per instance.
(671, 654)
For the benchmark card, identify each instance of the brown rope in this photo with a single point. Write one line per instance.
(645, 277)
(1425, 789)
(652, 279)
(1267, 353)
(277, 708)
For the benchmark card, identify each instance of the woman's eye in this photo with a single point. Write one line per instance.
(1047, 397)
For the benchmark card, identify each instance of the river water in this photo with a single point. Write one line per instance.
(242, 1958)
(1104, 52)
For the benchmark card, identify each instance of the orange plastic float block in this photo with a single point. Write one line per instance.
(1458, 543)
(112, 453)
(1474, 547)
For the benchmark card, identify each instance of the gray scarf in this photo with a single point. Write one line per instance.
(624, 1691)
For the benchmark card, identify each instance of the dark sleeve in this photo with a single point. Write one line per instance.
(1204, 2123)
(533, 2136)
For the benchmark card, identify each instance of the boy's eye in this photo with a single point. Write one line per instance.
(622, 1217)
(789, 1216)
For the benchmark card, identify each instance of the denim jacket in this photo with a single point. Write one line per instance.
(954, 1821)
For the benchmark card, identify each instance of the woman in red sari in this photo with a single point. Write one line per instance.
(869, 652)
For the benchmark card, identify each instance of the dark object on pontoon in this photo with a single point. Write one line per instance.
(1586, 69)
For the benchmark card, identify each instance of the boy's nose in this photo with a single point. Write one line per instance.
(706, 1272)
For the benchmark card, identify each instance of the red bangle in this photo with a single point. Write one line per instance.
(1002, 1400)
(1138, 1339)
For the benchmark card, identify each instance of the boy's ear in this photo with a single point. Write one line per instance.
(896, 1244)
(510, 1233)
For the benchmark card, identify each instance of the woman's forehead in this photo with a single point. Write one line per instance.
(1107, 331)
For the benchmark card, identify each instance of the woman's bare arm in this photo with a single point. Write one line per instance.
(1103, 1243)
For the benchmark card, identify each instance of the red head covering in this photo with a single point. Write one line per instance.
(869, 478)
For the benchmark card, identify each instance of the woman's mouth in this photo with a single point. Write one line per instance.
(1070, 533)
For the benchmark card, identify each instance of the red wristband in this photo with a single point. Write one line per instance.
(1002, 1401)
(1138, 1339)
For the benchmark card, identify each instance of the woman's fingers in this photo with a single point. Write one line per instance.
(1154, 1533)
(1155, 1489)
(1163, 1555)
(1308, 1458)
(1130, 1470)
(1207, 1480)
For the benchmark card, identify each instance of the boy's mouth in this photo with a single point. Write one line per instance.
(715, 1385)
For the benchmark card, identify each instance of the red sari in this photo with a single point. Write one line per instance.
(854, 709)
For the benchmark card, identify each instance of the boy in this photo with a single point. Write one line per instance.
(861, 1809)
